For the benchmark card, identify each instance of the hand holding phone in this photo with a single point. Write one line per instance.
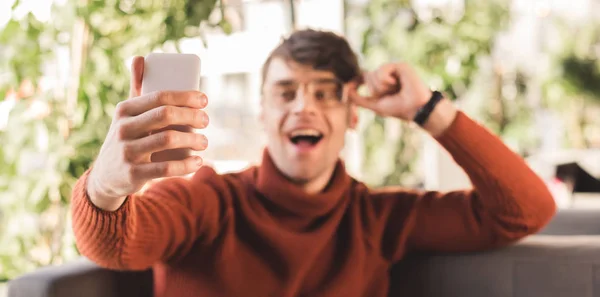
(171, 72)
(151, 135)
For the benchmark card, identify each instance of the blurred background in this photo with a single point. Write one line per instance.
(529, 70)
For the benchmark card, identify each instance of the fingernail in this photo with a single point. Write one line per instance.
(202, 98)
(204, 141)
(205, 120)
(199, 161)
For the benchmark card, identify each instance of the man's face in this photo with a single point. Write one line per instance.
(305, 118)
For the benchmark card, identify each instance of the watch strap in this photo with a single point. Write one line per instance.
(425, 111)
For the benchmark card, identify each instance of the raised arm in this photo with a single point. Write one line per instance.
(508, 201)
(150, 138)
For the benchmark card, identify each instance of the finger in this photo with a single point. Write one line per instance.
(371, 83)
(389, 78)
(152, 170)
(137, 73)
(390, 83)
(138, 105)
(362, 101)
(162, 117)
(136, 150)
(384, 82)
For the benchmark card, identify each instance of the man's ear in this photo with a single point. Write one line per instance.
(352, 116)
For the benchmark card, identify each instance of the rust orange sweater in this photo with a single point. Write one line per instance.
(254, 233)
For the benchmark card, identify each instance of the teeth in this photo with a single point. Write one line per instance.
(305, 132)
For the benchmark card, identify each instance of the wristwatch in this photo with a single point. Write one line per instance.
(425, 111)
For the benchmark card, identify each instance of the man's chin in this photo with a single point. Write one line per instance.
(300, 168)
(300, 176)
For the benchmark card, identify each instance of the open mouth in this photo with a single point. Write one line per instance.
(305, 137)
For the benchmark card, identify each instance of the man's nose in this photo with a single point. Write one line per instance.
(304, 103)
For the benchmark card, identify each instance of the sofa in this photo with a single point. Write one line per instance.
(562, 260)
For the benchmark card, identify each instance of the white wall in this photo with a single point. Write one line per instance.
(265, 23)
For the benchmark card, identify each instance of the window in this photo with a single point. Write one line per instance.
(234, 89)
(234, 130)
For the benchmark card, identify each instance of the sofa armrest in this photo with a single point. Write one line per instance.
(540, 265)
(81, 278)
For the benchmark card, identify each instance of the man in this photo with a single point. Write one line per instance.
(297, 225)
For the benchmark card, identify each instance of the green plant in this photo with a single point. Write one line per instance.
(446, 46)
(573, 87)
(57, 125)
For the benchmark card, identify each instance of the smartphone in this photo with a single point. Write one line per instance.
(171, 72)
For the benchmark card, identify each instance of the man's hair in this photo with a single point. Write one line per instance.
(321, 50)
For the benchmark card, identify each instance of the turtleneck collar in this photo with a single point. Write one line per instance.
(275, 187)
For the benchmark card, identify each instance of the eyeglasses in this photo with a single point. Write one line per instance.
(326, 93)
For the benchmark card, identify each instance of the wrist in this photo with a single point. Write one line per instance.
(441, 118)
(100, 199)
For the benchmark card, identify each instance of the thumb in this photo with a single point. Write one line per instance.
(137, 73)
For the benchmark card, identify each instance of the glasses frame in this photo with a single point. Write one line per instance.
(269, 93)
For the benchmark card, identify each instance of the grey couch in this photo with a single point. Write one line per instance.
(563, 260)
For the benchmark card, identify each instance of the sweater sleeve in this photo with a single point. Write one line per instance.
(508, 201)
(158, 224)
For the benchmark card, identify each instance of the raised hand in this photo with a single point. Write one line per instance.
(396, 90)
(140, 130)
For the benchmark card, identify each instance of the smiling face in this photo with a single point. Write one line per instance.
(303, 111)
(305, 119)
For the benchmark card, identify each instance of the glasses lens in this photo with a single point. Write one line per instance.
(325, 93)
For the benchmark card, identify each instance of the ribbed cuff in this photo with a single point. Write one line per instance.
(98, 232)
(80, 192)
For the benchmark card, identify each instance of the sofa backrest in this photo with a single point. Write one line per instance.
(574, 222)
(541, 265)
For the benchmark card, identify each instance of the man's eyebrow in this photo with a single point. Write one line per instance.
(289, 82)
(285, 82)
(326, 80)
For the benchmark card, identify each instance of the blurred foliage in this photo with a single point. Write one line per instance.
(58, 120)
(446, 44)
(506, 109)
(573, 85)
